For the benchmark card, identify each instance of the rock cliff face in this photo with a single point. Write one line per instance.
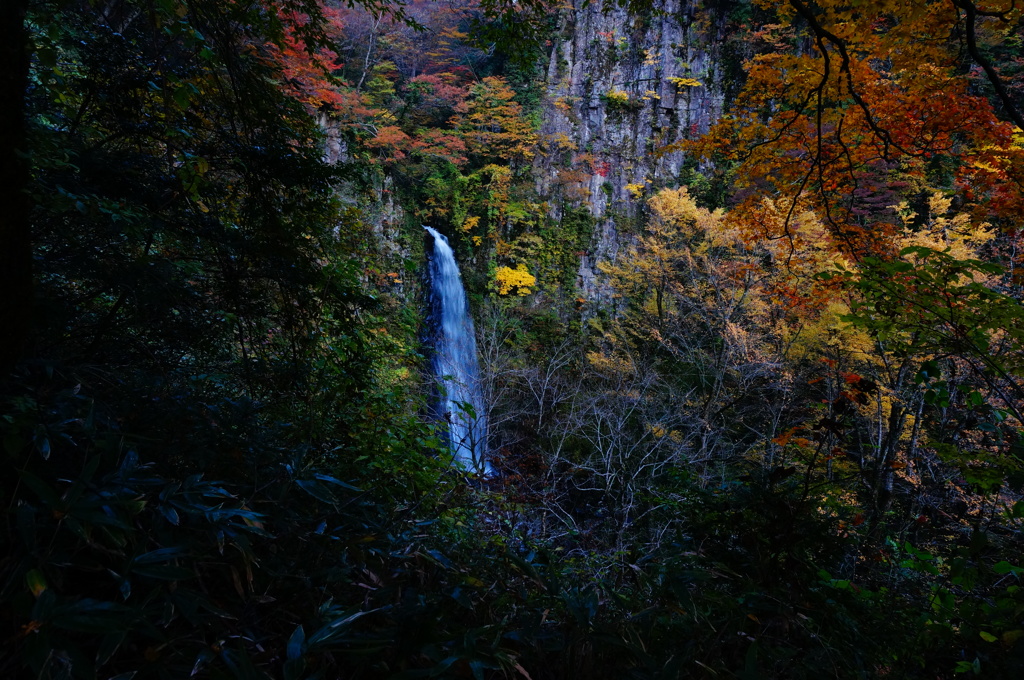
(379, 207)
(618, 89)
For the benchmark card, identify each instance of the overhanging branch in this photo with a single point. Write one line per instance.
(972, 13)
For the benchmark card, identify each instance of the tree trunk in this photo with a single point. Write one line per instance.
(15, 244)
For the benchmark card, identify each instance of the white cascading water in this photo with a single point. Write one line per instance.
(455, 361)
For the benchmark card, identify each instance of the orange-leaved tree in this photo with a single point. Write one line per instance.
(852, 107)
(874, 116)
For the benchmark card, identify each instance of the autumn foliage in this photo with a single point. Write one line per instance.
(881, 106)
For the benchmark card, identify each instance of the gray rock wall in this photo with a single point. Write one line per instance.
(618, 89)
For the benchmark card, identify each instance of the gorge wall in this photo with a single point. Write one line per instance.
(618, 89)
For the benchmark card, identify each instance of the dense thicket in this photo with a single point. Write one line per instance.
(200, 315)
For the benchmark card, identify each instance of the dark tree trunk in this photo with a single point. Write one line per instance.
(15, 244)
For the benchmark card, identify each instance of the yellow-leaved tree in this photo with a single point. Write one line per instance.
(519, 280)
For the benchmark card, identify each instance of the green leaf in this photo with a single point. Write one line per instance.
(467, 408)
(157, 556)
(337, 482)
(170, 514)
(42, 442)
(1005, 567)
(967, 667)
(108, 646)
(296, 643)
(334, 629)
(182, 96)
(36, 582)
(440, 558)
(317, 490)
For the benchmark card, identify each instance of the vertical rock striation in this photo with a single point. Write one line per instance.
(619, 88)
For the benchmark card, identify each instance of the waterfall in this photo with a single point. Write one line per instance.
(455, 361)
